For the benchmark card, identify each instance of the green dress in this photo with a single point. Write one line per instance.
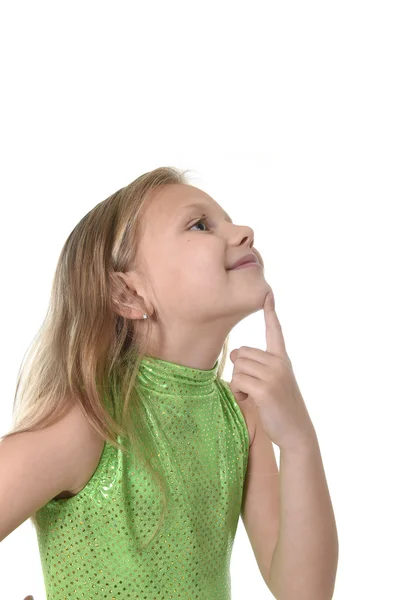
(87, 542)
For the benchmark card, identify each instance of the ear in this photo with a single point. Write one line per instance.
(126, 300)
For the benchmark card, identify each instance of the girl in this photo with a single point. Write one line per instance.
(131, 455)
(125, 374)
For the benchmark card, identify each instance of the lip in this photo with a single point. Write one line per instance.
(245, 260)
(245, 265)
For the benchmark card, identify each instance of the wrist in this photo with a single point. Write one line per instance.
(302, 443)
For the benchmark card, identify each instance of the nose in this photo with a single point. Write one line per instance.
(249, 238)
(247, 232)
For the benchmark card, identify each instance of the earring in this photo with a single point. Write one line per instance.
(145, 316)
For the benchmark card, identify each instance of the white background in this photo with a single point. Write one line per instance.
(288, 114)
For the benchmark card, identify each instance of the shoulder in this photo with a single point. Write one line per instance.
(84, 448)
(249, 412)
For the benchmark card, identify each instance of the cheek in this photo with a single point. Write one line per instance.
(194, 267)
(192, 274)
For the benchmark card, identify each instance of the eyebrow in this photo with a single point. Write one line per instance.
(200, 206)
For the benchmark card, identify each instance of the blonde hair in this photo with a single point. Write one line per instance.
(84, 352)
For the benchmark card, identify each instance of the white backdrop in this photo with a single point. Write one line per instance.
(288, 114)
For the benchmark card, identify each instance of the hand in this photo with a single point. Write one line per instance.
(266, 378)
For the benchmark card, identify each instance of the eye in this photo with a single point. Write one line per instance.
(203, 220)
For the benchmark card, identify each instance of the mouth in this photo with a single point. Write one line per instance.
(248, 259)
(245, 265)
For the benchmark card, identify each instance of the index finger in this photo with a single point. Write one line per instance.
(274, 334)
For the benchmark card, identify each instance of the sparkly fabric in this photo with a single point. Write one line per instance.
(87, 542)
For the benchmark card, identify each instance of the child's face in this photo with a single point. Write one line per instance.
(192, 290)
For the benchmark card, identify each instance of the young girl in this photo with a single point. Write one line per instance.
(129, 451)
(141, 306)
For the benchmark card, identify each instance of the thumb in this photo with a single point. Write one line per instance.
(233, 354)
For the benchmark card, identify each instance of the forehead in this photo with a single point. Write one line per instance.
(176, 199)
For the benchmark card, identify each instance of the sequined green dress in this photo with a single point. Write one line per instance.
(87, 542)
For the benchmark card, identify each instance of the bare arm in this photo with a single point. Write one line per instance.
(305, 559)
(36, 466)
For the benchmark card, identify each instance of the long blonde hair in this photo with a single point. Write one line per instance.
(84, 352)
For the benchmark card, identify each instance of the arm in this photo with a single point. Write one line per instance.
(304, 562)
(37, 465)
(261, 502)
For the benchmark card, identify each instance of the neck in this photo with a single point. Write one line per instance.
(169, 378)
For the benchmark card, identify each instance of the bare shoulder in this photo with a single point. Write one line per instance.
(38, 465)
(249, 414)
(86, 449)
(248, 411)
